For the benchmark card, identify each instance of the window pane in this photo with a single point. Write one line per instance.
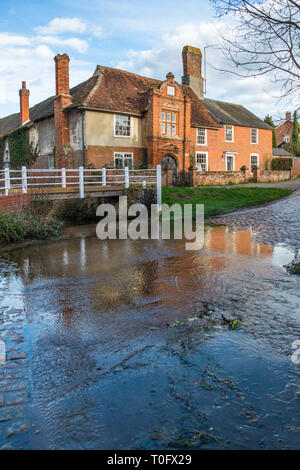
(174, 129)
(201, 136)
(168, 128)
(229, 133)
(163, 128)
(163, 116)
(169, 117)
(123, 126)
(201, 160)
(174, 117)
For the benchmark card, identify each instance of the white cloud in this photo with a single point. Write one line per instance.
(62, 26)
(7, 39)
(44, 52)
(77, 44)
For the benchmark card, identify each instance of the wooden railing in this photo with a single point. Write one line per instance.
(81, 178)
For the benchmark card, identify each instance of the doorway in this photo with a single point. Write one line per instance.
(169, 161)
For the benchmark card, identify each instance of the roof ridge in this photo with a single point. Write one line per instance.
(129, 73)
(93, 90)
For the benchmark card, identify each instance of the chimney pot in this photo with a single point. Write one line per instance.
(288, 116)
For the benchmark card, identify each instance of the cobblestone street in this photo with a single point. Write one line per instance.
(278, 222)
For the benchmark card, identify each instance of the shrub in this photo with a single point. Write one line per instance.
(11, 227)
(15, 227)
(282, 164)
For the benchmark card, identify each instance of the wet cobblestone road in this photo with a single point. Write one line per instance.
(278, 222)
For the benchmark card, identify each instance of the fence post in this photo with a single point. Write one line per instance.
(81, 182)
(7, 181)
(104, 177)
(126, 177)
(158, 186)
(24, 179)
(63, 178)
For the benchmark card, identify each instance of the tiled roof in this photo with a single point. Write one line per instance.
(46, 108)
(234, 114)
(200, 114)
(281, 153)
(117, 90)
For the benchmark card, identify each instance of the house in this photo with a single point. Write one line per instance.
(118, 118)
(284, 131)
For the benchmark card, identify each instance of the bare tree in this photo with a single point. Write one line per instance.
(264, 40)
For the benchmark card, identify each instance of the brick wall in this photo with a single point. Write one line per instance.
(266, 176)
(204, 178)
(14, 202)
(296, 167)
(241, 147)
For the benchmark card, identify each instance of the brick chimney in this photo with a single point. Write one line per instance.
(192, 69)
(62, 74)
(24, 104)
(63, 154)
(288, 116)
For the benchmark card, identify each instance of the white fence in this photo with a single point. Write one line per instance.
(80, 178)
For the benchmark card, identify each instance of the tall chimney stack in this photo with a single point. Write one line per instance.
(192, 69)
(62, 74)
(61, 118)
(24, 103)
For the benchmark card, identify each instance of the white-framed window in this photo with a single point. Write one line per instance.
(123, 159)
(286, 138)
(254, 161)
(254, 136)
(202, 161)
(168, 123)
(201, 136)
(229, 134)
(171, 90)
(51, 162)
(123, 126)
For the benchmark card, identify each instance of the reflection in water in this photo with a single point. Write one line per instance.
(89, 306)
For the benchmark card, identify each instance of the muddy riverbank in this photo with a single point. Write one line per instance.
(124, 344)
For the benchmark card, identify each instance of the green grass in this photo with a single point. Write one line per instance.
(222, 200)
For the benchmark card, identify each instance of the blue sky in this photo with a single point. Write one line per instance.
(140, 36)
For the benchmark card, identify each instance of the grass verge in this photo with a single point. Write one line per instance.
(221, 200)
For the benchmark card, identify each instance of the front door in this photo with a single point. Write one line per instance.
(170, 162)
(229, 163)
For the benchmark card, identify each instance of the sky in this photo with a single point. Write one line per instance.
(144, 37)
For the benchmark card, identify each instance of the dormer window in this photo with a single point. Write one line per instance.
(122, 126)
(171, 90)
(168, 123)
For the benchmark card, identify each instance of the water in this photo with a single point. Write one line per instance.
(98, 376)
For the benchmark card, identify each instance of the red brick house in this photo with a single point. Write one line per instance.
(118, 118)
(284, 132)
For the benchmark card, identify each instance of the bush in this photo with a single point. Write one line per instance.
(15, 227)
(11, 227)
(282, 164)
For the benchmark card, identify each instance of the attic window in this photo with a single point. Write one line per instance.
(286, 138)
(122, 126)
(171, 90)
